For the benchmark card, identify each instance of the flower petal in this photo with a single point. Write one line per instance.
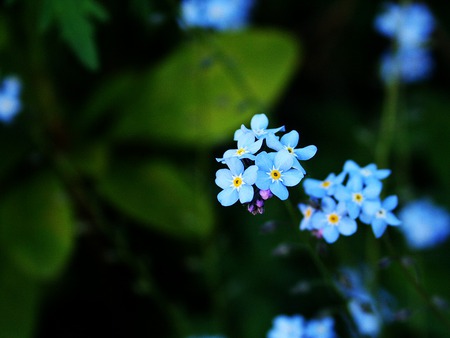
(255, 146)
(273, 142)
(290, 139)
(378, 227)
(235, 165)
(228, 197)
(259, 121)
(223, 178)
(330, 234)
(279, 190)
(390, 202)
(391, 219)
(347, 226)
(283, 160)
(306, 153)
(292, 177)
(262, 180)
(250, 175)
(264, 162)
(246, 193)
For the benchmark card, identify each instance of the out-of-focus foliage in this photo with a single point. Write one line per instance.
(109, 219)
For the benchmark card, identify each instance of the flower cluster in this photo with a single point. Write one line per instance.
(340, 200)
(262, 165)
(424, 224)
(297, 326)
(9, 98)
(216, 14)
(409, 26)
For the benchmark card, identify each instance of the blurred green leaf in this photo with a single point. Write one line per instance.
(73, 18)
(161, 196)
(18, 306)
(203, 91)
(36, 227)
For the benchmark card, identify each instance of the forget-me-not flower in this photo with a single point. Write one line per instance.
(9, 98)
(424, 224)
(287, 327)
(276, 173)
(237, 183)
(365, 316)
(216, 14)
(289, 141)
(258, 125)
(367, 173)
(381, 215)
(246, 148)
(307, 212)
(333, 220)
(327, 187)
(320, 328)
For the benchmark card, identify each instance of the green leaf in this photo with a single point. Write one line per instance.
(36, 227)
(160, 196)
(18, 307)
(203, 91)
(73, 18)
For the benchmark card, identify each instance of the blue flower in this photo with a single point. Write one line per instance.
(289, 141)
(410, 25)
(276, 173)
(287, 327)
(408, 65)
(307, 212)
(365, 316)
(9, 98)
(357, 196)
(380, 215)
(424, 224)
(327, 187)
(320, 328)
(246, 148)
(333, 220)
(216, 14)
(367, 173)
(235, 182)
(258, 124)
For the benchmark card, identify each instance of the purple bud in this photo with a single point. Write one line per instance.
(251, 208)
(259, 203)
(265, 194)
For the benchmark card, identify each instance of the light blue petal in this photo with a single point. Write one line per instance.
(353, 210)
(246, 193)
(262, 180)
(347, 226)
(264, 162)
(328, 204)
(390, 202)
(296, 164)
(378, 227)
(373, 189)
(279, 190)
(365, 218)
(382, 173)
(275, 130)
(305, 153)
(235, 165)
(391, 219)
(355, 184)
(259, 121)
(290, 139)
(351, 165)
(228, 197)
(330, 234)
(273, 142)
(245, 139)
(250, 175)
(292, 177)
(223, 178)
(342, 193)
(318, 220)
(229, 153)
(283, 160)
(243, 130)
(370, 207)
(255, 146)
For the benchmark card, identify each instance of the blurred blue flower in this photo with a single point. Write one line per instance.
(424, 224)
(327, 187)
(287, 327)
(307, 212)
(367, 173)
(320, 328)
(258, 125)
(246, 148)
(9, 98)
(380, 215)
(408, 65)
(236, 182)
(276, 173)
(357, 196)
(289, 141)
(410, 24)
(216, 14)
(365, 316)
(332, 219)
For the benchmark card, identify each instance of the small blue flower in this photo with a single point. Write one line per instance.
(307, 212)
(365, 316)
(236, 182)
(276, 173)
(424, 224)
(408, 65)
(327, 187)
(357, 196)
(9, 99)
(320, 328)
(380, 215)
(333, 220)
(216, 14)
(289, 141)
(246, 148)
(258, 124)
(410, 25)
(287, 327)
(367, 173)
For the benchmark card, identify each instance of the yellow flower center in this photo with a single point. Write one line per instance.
(290, 149)
(333, 219)
(237, 182)
(240, 151)
(325, 184)
(358, 198)
(275, 174)
(381, 213)
(308, 212)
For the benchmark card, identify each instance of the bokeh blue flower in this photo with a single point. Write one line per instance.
(10, 103)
